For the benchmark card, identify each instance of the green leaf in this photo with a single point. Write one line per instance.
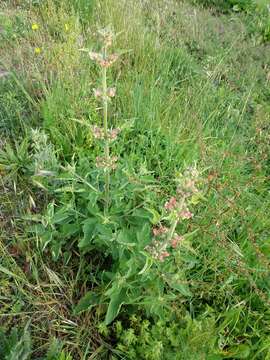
(241, 351)
(147, 265)
(143, 236)
(61, 216)
(89, 300)
(182, 288)
(117, 300)
(126, 237)
(140, 217)
(56, 249)
(92, 204)
(68, 230)
(156, 216)
(89, 229)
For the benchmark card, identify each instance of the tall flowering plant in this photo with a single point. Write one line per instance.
(106, 134)
(136, 244)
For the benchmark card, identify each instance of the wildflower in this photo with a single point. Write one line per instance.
(98, 132)
(112, 134)
(176, 240)
(187, 183)
(163, 255)
(107, 36)
(108, 40)
(97, 93)
(106, 164)
(35, 26)
(104, 62)
(157, 231)
(111, 92)
(95, 56)
(185, 214)
(66, 27)
(171, 204)
(37, 50)
(113, 162)
(108, 61)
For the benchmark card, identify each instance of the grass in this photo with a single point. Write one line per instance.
(192, 87)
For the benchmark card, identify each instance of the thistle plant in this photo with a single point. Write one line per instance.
(105, 60)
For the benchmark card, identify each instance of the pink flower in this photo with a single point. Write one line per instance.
(112, 135)
(103, 62)
(176, 240)
(163, 255)
(109, 61)
(171, 204)
(98, 132)
(185, 214)
(160, 230)
(103, 162)
(97, 93)
(111, 92)
(95, 56)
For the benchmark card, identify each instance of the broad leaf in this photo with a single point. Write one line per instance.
(182, 288)
(89, 229)
(143, 236)
(117, 299)
(89, 300)
(242, 351)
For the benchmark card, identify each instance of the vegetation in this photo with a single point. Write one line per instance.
(134, 163)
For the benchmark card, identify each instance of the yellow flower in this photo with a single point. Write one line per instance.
(37, 50)
(35, 26)
(66, 27)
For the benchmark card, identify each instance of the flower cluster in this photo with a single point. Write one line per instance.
(106, 163)
(177, 209)
(187, 187)
(159, 248)
(99, 133)
(107, 36)
(98, 93)
(102, 60)
(187, 182)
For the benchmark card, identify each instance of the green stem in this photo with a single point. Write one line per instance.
(105, 125)
(174, 223)
(172, 230)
